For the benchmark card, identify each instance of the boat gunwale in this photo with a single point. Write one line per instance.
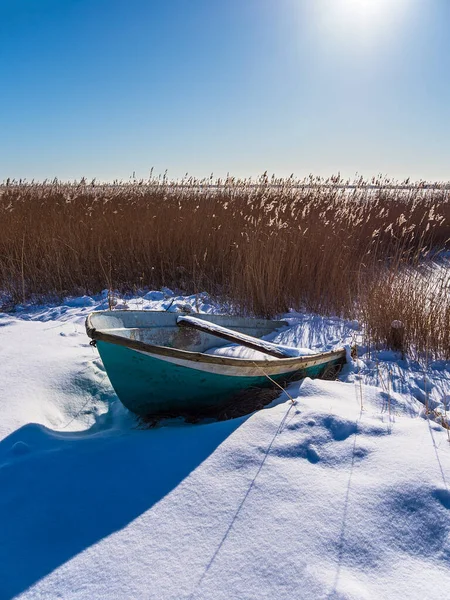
(292, 363)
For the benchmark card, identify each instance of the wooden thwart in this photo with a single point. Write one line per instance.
(234, 336)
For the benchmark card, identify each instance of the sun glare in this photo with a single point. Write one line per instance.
(364, 21)
(366, 8)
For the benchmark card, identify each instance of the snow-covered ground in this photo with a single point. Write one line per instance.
(344, 493)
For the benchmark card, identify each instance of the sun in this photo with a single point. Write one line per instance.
(366, 20)
(365, 8)
(368, 4)
(360, 28)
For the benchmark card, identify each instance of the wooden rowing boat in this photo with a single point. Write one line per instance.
(158, 363)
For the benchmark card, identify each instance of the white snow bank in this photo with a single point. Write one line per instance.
(344, 494)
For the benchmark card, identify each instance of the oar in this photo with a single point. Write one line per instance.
(235, 336)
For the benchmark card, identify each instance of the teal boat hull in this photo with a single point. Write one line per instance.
(157, 368)
(147, 385)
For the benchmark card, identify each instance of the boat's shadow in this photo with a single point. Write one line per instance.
(62, 493)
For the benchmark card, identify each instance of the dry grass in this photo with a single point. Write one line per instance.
(420, 298)
(267, 245)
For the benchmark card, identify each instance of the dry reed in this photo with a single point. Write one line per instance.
(266, 245)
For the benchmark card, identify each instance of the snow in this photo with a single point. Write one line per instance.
(280, 350)
(343, 494)
(242, 352)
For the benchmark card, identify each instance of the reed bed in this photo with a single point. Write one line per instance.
(267, 245)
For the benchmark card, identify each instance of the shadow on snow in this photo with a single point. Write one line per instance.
(63, 492)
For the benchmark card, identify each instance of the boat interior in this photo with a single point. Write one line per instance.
(160, 328)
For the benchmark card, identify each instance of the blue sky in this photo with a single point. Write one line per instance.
(105, 88)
